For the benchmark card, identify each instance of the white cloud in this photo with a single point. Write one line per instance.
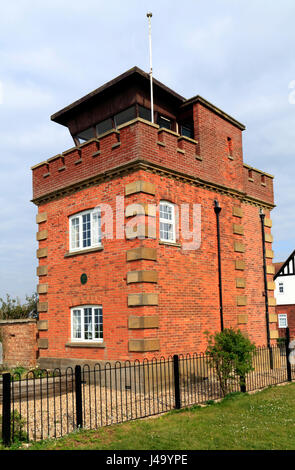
(24, 96)
(237, 55)
(40, 137)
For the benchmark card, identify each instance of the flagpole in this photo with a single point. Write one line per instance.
(149, 15)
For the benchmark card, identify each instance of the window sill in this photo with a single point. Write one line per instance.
(178, 245)
(83, 252)
(85, 344)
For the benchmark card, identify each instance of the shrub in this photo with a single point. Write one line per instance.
(17, 427)
(13, 308)
(230, 353)
(17, 372)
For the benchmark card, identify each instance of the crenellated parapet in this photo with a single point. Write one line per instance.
(142, 141)
(258, 183)
(133, 141)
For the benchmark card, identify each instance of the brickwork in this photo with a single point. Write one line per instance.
(143, 278)
(19, 341)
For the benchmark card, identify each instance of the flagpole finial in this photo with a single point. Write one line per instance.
(149, 14)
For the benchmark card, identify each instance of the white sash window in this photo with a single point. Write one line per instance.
(167, 222)
(283, 320)
(86, 323)
(85, 230)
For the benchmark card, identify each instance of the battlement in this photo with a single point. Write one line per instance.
(258, 184)
(135, 140)
(141, 140)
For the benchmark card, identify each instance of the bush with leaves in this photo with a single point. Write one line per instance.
(18, 424)
(230, 353)
(14, 309)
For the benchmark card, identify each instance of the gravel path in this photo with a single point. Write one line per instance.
(56, 416)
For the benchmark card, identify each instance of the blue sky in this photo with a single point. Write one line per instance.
(238, 55)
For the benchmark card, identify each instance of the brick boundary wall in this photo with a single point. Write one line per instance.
(19, 342)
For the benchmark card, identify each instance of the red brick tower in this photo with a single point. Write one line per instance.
(137, 292)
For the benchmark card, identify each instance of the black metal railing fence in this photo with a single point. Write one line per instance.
(54, 403)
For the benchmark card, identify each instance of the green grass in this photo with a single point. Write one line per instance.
(261, 421)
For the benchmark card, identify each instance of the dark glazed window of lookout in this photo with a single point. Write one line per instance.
(164, 122)
(187, 130)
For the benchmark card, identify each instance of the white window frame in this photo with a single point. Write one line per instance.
(281, 285)
(165, 221)
(79, 217)
(283, 317)
(82, 308)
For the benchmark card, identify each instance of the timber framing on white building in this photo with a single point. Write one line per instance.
(285, 282)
